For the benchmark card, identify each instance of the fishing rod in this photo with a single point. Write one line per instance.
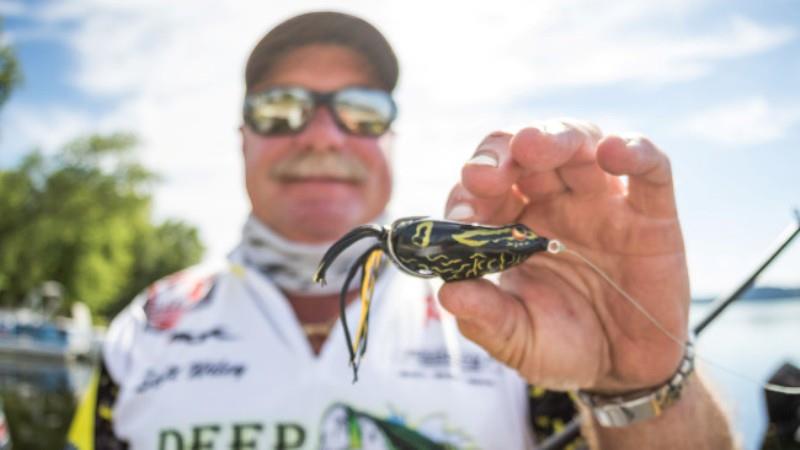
(573, 429)
(720, 304)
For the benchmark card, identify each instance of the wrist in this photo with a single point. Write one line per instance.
(625, 408)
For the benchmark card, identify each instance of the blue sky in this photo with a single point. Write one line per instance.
(714, 83)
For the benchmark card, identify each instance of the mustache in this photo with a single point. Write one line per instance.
(315, 164)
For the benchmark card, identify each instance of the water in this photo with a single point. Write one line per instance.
(39, 399)
(752, 338)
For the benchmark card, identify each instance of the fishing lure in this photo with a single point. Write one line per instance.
(426, 248)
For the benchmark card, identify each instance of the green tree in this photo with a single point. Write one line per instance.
(10, 74)
(83, 217)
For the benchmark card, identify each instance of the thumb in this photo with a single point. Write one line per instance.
(490, 317)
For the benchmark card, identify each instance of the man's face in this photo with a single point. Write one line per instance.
(316, 185)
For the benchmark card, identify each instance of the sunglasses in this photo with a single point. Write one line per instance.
(287, 110)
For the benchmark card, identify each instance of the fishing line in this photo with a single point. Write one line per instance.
(556, 247)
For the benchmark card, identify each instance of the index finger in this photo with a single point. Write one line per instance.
(491, 171)
(486, 192)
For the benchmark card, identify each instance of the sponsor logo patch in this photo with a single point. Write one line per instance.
(200, 337)
(168, 299)
(473, 368)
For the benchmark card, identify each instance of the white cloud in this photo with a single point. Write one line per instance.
(177, 71)
(652, 58)
(742, 122)
(532, 48)
(11, 8)
(24, 128)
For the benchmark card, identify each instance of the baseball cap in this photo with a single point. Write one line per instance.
(324, 27)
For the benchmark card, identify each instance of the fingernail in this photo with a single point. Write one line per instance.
(484, 158)
(632, 138)
(559, 132)
(555, 127)
(461, 211)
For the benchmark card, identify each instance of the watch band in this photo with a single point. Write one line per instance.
(626, 409)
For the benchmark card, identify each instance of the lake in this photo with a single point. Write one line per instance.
(753, 339)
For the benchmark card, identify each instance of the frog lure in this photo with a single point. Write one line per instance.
(427, 248)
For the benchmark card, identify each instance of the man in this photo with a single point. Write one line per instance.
(247, 356)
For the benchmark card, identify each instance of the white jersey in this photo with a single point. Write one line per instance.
(221, 361)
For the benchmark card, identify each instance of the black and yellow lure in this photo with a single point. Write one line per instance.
(426, 248)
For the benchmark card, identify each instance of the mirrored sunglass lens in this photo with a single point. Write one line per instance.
(279, 110)
(364, 111)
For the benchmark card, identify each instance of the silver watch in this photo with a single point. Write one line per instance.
(625, 409)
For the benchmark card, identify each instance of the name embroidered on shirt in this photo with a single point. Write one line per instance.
(215, 369)
(154, 379)
(197, 370)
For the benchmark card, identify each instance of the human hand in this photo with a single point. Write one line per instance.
(553, 318)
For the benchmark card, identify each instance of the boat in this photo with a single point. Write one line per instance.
(34, 332)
